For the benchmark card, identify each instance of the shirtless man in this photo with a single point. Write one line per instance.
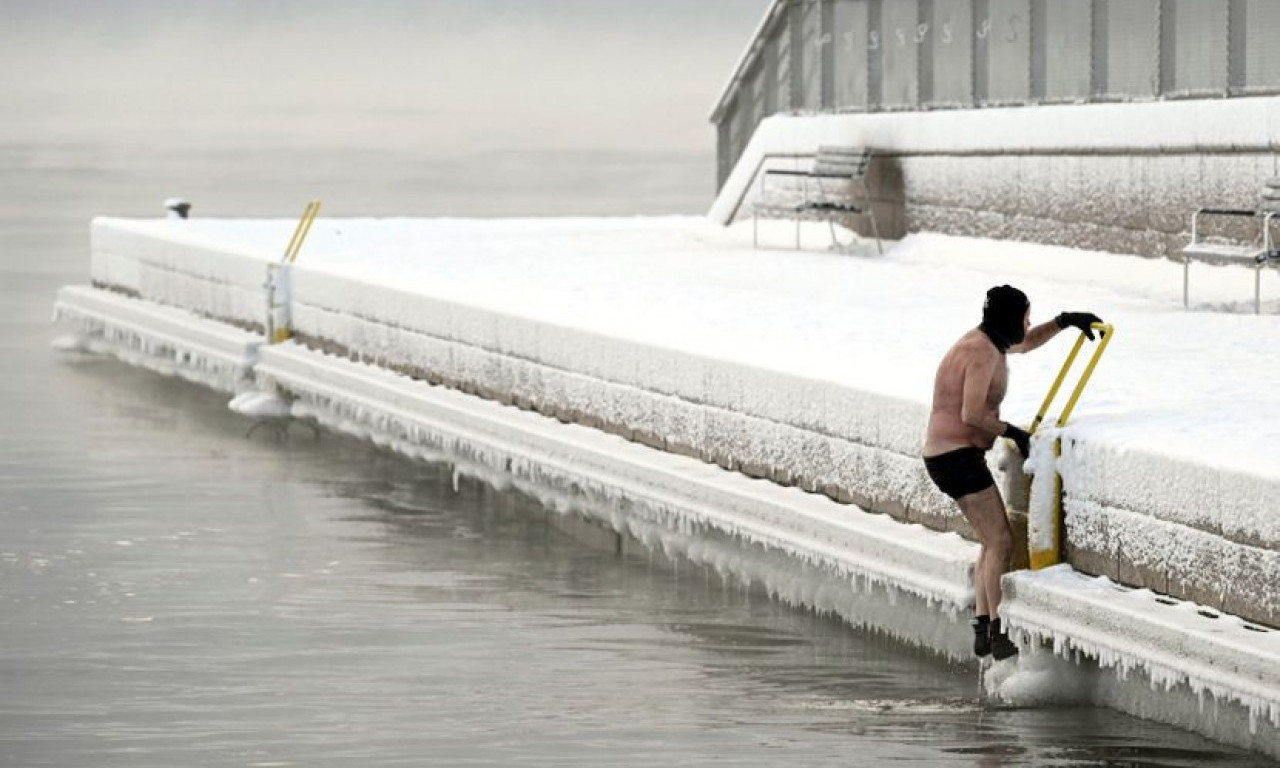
(964, 424)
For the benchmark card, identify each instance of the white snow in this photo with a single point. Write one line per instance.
(1174, 425)
(1205, 125)
(263, 405)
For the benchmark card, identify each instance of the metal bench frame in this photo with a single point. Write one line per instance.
(842, 164)
(1212, 253)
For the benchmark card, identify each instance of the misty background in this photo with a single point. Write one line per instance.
(390, 107)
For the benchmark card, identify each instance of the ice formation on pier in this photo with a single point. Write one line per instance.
(675, 329)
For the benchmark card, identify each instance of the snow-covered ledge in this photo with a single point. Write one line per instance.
(1106, 176)
(559, 316)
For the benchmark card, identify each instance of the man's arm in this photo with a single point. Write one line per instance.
(1036, 337)
(1040, 334)
(974, 411)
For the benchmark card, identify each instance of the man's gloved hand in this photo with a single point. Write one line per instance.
(1020, 437)
(1081, 320)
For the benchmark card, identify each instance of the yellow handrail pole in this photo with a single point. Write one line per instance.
(313, 208)
(297, 232)
(1057, 383)
(1107, 333)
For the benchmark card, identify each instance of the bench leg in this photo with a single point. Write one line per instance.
(755, 230)
(1186, 281)
(797, 234)
(1257, 289)
(875, 228)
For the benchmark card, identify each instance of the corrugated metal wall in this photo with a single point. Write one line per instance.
(951, 63)
(861, 55)
(811, 45)
(1067, 44)
(1008, 61)
(898, 47)
(849, 54)
(1262, 55)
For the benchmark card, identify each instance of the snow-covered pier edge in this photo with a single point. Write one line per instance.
(366, 356)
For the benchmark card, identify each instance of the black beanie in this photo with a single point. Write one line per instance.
(1002, 316)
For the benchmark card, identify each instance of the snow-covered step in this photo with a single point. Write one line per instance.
(162, 338)
(1171, 642)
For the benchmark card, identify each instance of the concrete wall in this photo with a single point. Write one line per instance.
(1120, 178)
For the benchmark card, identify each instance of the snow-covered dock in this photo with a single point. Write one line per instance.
(809, 369)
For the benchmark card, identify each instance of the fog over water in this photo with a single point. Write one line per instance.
(499, 100)
(173, 592)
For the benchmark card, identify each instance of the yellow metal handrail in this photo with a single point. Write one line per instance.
(300, 233)
(1106, 331)
(1052, 554)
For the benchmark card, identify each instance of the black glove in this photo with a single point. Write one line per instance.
(1081, 320)
(1020, 437)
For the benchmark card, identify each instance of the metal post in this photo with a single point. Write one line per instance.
(1186, 282)
(269, 325)
(1257, 289)
(275, 269)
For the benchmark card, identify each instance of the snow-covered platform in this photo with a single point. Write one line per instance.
(811, 369)
(1185, 650)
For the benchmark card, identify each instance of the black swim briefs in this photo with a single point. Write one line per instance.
(960, 472)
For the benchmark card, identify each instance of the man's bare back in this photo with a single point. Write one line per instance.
(970, 361)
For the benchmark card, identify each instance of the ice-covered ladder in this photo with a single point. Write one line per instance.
(1045, 535)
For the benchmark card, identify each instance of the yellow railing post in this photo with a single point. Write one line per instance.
(1046, 553)
(300, 233)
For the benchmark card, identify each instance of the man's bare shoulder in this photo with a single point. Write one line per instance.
(974, 347)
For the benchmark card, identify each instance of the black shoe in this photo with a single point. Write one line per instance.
(981, 636)
(1001, 646)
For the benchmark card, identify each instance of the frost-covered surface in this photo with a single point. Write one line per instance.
(160, 338)
(1202, 125)
(812, 366)
(680, 491)
(262, 405)
(835, 344)
(1135, 548)
(1171, 644)
(1042, 523)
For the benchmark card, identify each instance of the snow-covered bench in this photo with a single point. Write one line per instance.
(1259, 253)
(834, 188)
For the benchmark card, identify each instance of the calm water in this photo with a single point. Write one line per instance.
(172, 593)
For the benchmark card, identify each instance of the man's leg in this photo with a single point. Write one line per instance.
(985, 512)
(981, 605)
